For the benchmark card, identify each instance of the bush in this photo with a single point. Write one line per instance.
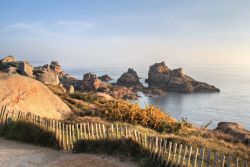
(151, 117)
(28, 133)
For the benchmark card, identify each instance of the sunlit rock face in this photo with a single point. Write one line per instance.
(160, 76)
(25, 94)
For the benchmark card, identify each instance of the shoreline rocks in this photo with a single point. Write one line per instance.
(129, 78)
(105, 78)
(239, 133)
(160, 76)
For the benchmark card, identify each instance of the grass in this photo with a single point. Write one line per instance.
(153, 121)
(29, 133)
(125, 148)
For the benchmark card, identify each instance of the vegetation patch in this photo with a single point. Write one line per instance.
(29, 133)
(121, 148)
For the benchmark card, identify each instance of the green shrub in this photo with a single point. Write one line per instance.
(28, 133)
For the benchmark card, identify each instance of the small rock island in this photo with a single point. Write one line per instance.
(160, 76)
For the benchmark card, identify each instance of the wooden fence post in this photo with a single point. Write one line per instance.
(169, 153)
(223, 161)
(184, 156)
(189, 155)
(216, 159)
(179, 155)
(195, 157)
(201, 157)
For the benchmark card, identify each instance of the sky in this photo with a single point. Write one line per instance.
(83, 33)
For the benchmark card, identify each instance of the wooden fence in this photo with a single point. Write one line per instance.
(159, 149)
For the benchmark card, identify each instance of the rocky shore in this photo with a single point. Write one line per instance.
(161, 79)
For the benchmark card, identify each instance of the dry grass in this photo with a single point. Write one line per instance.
(151, 120)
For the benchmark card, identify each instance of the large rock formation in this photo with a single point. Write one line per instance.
(233, 129)
(47, 74)
(160, 76)
(6, 60)
(90, 82)
(10, 65)
(29, 95)
(129, 78)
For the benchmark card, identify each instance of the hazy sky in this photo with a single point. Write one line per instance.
(126, 32)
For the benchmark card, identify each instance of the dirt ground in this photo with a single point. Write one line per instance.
(15, 154)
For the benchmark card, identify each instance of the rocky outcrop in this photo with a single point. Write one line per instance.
(54, 65)
(90, 82)
(10, 65)
(66, 80)
(154, 92)
(235, 130)
(129, 78)
(160, 76)
(29, 95)
(24, 68)
(6, 60)
(46, 75)
(105, 78)
(121, 92)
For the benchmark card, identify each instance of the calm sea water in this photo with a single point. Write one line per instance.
(231, 104)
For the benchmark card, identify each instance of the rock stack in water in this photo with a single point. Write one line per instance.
(160, 76)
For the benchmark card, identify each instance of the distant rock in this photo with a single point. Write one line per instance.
(25, 68)
(160, 76)
(105, 78)
(66, 80)
(129, 78)
(46, 75)
(6, 60)
(90, 82)
(56, 67)
(121, 92)
(29, 95)
(11, 66)
(233, 129)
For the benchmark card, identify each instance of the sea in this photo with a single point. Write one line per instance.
(231, 104)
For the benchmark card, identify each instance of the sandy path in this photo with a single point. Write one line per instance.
(15, 154)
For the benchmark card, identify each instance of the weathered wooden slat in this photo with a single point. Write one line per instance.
(189, 155)
(88, 130)
(164, 151)
(67, 137)
(179, 155)
(92, 131)
(184, 156)
(159, 149)
(81, 131)
(104, 131)
(236, 162)
(174, 154)
(216, 159)
(156, 147)
(195, 157)
(223, 158)
(169, 153)
(245, 164)
(201, 157)
(70, 137)
(228, 163)
(208, 158)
